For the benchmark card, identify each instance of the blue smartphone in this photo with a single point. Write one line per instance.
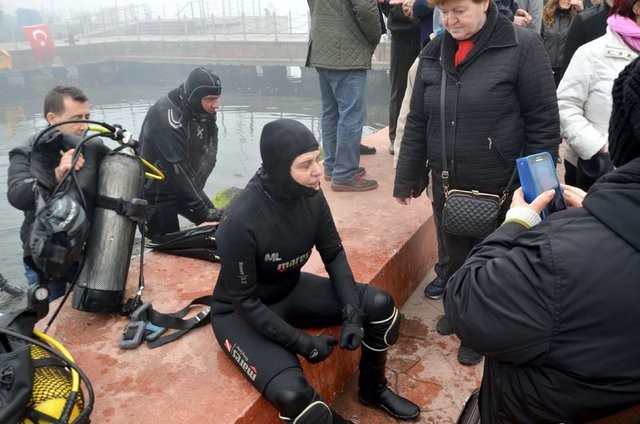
(538, 174)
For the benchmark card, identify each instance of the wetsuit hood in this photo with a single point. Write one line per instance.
(280, 143)
(200, 83)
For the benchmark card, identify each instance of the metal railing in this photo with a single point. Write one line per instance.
(194, 18)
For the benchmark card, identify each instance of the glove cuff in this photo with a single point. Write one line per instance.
(352, 315)
(303, 344)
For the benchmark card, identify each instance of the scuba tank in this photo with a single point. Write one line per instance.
(101, 283)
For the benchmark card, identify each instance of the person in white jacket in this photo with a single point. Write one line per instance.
(584, 94)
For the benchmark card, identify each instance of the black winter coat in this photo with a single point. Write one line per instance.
(32, 173)
(500, 103)
(585, 26)
(555, 37)
(554, 309)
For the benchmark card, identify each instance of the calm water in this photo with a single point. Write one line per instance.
(240, 122)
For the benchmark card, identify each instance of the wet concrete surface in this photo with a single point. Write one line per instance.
(422, 366)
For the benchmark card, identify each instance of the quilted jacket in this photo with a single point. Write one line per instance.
(500, 103)
(555, 36)
(343, 34)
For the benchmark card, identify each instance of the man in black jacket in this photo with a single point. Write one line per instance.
(405, 46)
(38, 172)
(553, 305)
(179, 135)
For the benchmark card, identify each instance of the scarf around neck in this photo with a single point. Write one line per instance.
(627, 29)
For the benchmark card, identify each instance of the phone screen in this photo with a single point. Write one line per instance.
(545, 178)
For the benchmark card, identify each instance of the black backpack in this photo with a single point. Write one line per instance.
(36, 383)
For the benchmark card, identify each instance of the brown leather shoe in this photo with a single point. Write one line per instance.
(355, 184)
(367, 150)
(359, 174)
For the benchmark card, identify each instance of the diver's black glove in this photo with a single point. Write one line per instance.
(315, 348)
(213, 214)
(352, 331)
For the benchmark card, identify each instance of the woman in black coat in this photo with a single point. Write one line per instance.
(500, 103)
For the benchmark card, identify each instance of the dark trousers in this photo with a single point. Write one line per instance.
(443, 260)
(405, 47)
(570, 174)
(163, 219)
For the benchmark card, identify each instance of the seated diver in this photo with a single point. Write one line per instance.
(262, 297)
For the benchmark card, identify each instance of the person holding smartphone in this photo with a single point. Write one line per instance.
(553, 305)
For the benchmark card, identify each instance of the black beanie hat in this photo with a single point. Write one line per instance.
(201, 82)
(624, 124)
(281, 142)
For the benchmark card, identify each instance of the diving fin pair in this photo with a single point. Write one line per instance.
(198, 243)
(204, 236)
(196, 253)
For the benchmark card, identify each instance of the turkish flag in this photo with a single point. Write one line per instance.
(41, 42)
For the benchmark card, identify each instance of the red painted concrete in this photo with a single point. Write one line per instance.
(191, 381)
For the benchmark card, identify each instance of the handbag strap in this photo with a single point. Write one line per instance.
(445, 168)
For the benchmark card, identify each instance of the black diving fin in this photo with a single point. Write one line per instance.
(203, 253)
(198, 237)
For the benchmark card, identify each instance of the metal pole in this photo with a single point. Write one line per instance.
(213, 25)
(244, 28)
(275, 26)
(203, 17)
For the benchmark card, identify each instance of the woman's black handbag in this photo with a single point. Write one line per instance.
(588, 171)
(471, 213)
(468, 213)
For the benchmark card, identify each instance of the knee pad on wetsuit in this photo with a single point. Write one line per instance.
(291, 394)
(379, 334)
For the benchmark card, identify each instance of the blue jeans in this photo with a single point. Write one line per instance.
(57, 288)
(344, 110)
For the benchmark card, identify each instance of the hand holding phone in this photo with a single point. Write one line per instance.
(573, 195)
(538, 174)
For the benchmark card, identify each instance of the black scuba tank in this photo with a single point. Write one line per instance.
(101, 283)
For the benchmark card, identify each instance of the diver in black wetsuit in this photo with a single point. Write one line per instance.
(179, 135)
(262, 298)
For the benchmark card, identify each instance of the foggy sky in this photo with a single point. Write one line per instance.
(63, 6)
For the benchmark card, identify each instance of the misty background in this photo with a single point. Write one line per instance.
(165, 9)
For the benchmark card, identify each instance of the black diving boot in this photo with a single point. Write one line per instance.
(337, 418)
(373, 390)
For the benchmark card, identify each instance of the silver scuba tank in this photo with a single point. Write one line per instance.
(101, 283)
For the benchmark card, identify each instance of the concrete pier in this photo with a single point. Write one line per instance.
(191, 380)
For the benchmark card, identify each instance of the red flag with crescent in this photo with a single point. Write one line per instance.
(41, 42)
